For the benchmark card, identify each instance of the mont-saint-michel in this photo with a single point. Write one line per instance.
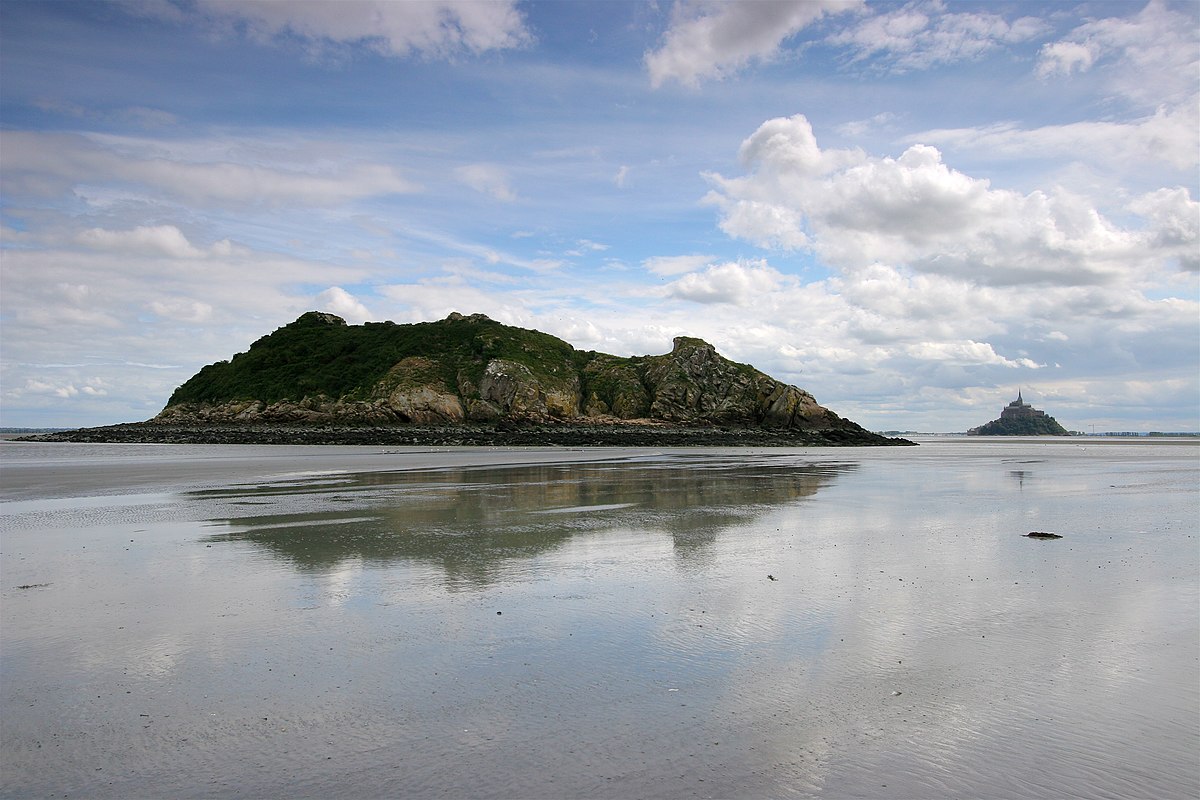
(1019, 418)
(468, 379)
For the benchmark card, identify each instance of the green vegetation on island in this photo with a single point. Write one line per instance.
(320, 355)
(473, 370)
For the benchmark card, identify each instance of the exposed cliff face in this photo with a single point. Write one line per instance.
(318, 370)
(693, 381)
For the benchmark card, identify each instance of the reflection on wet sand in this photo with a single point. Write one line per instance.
(470, 521)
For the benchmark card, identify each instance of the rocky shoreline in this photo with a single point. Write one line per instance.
(498, 435)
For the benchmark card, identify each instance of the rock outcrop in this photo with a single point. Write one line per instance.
(471, 370)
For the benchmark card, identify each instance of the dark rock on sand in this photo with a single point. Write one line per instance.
(471, 435)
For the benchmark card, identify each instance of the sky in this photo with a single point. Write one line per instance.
(911, 210)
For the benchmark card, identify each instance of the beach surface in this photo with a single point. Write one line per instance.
(367, 621)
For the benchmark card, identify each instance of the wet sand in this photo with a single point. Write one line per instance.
(210, 621)
(81, 470)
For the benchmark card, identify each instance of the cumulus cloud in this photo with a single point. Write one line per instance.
(487, 179)
(427, 28)
(854, 210)
(337, 300)
(435, 299)
(923, 34)
(714, 40)
(968, 353)
(732, 283)
(60, 389)
(1174, 224)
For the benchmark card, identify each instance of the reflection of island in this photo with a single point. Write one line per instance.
(470, 522)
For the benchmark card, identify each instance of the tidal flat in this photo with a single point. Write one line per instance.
(290, 621)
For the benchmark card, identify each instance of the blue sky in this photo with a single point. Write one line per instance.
(909, 209)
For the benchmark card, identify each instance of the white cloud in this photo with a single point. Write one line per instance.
(76, 294)
(487, 179)
(60, 389)
(856, 128)
(428, 28)
(1168, 136)
(585, 246)
(676, 265)
(1065, 58)
(1174, 224)
(153, 240)
(968, 353)
(1151, 57)
(854, 210)
(90, 299)
(435, 299)
(920, 35)
(1144, 67)
(53, 163)
(732, 283)
(73, 317)
(337, 300)
(621, 177)
(714, 40)
(181, 309)
(475, 250)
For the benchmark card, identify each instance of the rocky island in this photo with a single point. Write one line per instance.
(469, 380)
(1019, 418)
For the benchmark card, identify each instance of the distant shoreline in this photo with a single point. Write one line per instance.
(505, 435)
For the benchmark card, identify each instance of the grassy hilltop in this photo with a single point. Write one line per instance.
(320, 355)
